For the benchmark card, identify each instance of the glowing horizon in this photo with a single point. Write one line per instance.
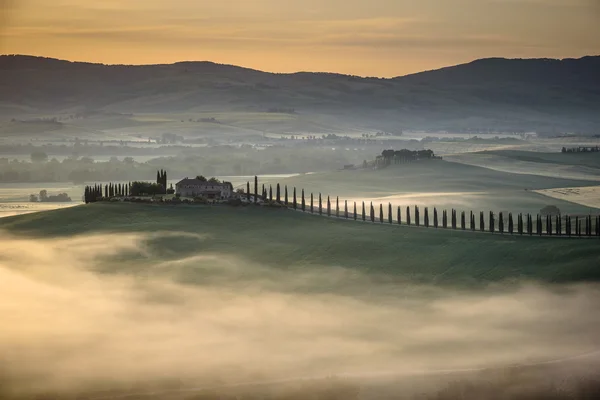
(381, 38)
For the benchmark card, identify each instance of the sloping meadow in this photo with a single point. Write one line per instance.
(99, 303)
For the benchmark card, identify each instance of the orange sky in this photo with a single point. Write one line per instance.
(363, 37)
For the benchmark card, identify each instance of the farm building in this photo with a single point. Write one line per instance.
(200, 188)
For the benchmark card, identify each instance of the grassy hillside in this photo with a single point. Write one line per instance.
(291, 240)
(442, 184)
(584, 166)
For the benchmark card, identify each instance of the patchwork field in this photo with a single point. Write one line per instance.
(558, 165)
(586, 196)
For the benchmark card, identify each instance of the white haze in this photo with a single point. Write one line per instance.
(67, 324)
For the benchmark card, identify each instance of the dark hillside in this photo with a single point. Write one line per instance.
(542, 95)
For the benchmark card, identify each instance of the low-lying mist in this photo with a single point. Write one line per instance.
(106, 311)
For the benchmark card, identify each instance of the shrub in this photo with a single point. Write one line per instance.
(550, 210)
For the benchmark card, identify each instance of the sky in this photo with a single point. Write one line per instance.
(368, 38)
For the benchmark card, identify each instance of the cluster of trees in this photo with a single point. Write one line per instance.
(99, 191)
(389, 157)
(202, 178)
(43, 197)
(581, 149)
(107, 191)
(161, 180)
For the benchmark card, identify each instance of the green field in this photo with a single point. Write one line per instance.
(105, 299)
(566, 166)
(442, 184)
(287, 239)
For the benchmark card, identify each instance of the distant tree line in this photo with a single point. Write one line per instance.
(580, 149)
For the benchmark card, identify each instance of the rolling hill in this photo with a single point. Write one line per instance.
(443, 184)
(542, 95)
(288, 240)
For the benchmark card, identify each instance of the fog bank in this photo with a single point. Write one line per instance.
(103, 311)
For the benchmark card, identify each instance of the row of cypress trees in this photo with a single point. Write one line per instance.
(93, 193)
(500, 223)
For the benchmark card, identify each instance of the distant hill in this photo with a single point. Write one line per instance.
(532, 94)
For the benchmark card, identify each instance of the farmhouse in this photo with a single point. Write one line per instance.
(201, 188)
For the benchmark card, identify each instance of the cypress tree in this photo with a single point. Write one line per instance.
(492, 222)
(435, 218)
(558, 228)
(501, 223)
(286, 196)
(472, 221)
(270, 193)
(312, 209)
(481, 222)
(453, 218)
(328, 207)
(510, 223)
(295, 202)
(346, 209)
(589, 226)
(256, 191)
(445, 219)
(248, 190)
(364, 217)
(337, 206)
(408, 216)
(399, 216)
(320, 205)
(264, 192)
(303, 202)
(106, 191)
(355, 216)
(381, 213)
(417, 216)
(158, 178)
(520, 224)
(426, 217)
(539, 224)
(390, 216)
(463, 224)
(278, 196)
